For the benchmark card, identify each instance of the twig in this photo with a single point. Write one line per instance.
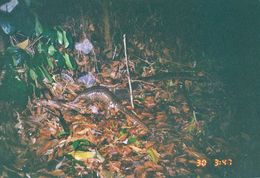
(35, 41)
(110, 86)
(12, 170)
(114, 53)
(194, 116)
(128, 73)
(145, 60)
(95, 60)
(142, 81)
(12, 39)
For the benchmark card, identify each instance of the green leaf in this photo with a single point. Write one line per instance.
(18, 56)
(123, 131)
(40, 47)
(76, 145)
(13, 89)
(65, 40)
(70, 40)
(50, 64)
(33, 74)
(63, 134)
(82, 155)
(37, 60)
(51, 50)
(153, 154)
(67, 61)
(59, 59)
(60, 37)
(50, 35)
(131, 139)
(39, 73)
(46, 73)
(38, 27)
(73, 63)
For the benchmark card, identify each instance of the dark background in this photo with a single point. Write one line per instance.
(228, 32)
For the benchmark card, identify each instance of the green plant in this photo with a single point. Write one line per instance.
(45, 54)
(32, 62)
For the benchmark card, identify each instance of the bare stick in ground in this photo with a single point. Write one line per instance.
(128, 73)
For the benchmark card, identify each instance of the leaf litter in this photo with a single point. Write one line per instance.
(90, 139)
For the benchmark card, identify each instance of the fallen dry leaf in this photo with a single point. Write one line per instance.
(47, 146)
(194, 153)
(174, 110)
(149, 102)
(154, 166)
(149, 144)
(137, 149)
(167, 149)
(185, 108)
(114, 166)
(57, 172)
(146, 114)
(161, 116)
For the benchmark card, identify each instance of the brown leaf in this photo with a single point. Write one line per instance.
(182, 160)
(114, 166)
(146, 114)
(45, 133)
(162, 125)
(149, 144)
(185, 108)
(174, 110)
(47, 146)
(137, 150)
(106, 174)
(126, 150)
(59, 152)
(105, 72)
(149, 102)
(154, 166)
(57, 172)
(113, 74)
(163, 94)
(167, 149)
(139, 168)
(161, 116)
(115, 63)
(140, 171)
(194, 153)
(183, 171)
